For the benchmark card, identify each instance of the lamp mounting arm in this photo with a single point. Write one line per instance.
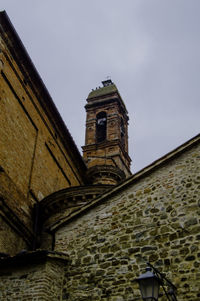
(171, 296)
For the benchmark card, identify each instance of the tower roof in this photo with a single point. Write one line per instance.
(109, 90)
(100, 91)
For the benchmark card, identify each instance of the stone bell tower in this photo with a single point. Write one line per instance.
(106, 140)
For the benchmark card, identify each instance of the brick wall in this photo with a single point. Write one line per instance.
(36, 276)
(34, 162)
(10, 239)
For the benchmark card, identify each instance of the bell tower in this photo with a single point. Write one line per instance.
(106, 140)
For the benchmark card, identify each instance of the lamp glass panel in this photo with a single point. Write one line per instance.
(149, 288)
(156, 286)
(146, 288)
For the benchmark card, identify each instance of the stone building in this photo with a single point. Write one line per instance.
(74, 228)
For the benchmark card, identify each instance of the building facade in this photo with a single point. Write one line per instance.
(74, 228)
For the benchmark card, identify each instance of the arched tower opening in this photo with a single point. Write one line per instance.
(101, 127)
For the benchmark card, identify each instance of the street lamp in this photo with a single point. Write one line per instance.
(150, 283)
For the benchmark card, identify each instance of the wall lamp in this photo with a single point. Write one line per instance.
(150, 283)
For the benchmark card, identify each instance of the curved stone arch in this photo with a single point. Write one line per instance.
(63, 203)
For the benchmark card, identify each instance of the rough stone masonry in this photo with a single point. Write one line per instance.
(155, 218)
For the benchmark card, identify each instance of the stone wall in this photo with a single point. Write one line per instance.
(37, 276)
(155, 219)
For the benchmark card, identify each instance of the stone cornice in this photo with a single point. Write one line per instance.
(112, 172)
(108, 100)
(70, 198)
(106, 144)
(27, 258)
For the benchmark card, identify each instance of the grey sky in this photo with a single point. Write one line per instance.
(150, 48)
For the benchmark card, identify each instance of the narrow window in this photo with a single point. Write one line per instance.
(101, 126)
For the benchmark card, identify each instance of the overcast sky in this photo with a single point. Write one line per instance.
(149, 48)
